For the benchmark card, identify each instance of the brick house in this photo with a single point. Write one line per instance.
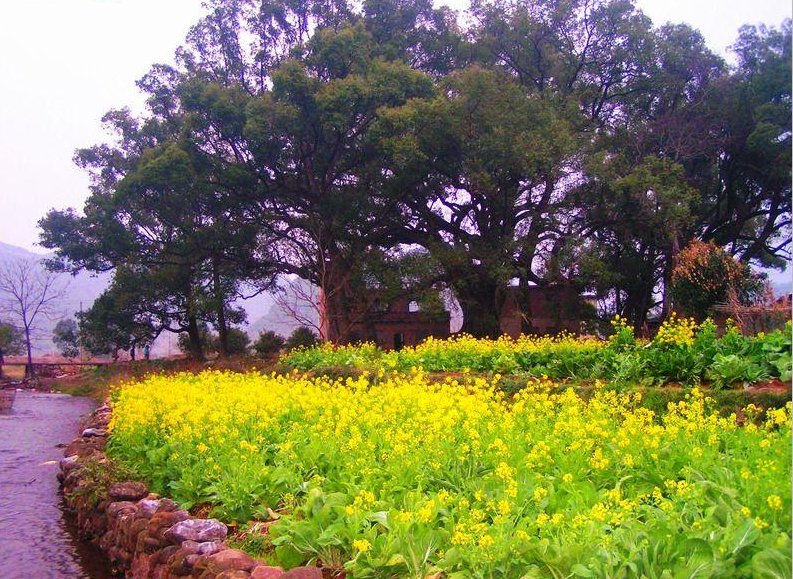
(526, 310)
(404, 324)
(400, 324)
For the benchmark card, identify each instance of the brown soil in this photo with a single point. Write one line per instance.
(771, 386)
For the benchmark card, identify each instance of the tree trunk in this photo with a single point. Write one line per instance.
(30, 371)
(346, 311)
(481, 306)
(194, 334)
(340, 323)
(669, 266)
(220, 311)
(193, 331)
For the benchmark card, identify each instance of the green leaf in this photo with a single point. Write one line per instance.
(579, 570)
(288, 556)
(771, 564)
(700, 559)
(742, 537)
(395, 560)
(380, 517)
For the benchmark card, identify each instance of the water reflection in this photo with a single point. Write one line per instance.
(36, 538)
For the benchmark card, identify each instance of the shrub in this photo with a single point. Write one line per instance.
(65, 338)
(208, 341)
(12, 340)
(267, 343)
(301, 337)
(705, 274)
(238, 341)
(682, 351)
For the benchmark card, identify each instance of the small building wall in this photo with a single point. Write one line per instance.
(532, 310)
(541, 310)
(398, 326)
(409, 328)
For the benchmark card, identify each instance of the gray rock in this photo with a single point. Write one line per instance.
(233, 574)
(229, 560)
(167, 505)
(148, 506)
(210, 547)
(127, 491)
(199, 530)
(267, 572)
(93, 432)
(113, 510)
(70, 462)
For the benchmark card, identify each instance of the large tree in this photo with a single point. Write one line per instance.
(160, 209)
(125, 316)
(725, 142)
(323, 193)
(495, 164)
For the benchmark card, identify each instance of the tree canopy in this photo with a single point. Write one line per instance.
(534, 143)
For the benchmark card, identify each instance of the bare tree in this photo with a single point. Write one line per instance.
(28, 293)
(301, 301)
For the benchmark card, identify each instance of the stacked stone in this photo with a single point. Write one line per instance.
(146, 536)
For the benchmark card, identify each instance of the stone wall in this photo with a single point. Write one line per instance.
(146, 536)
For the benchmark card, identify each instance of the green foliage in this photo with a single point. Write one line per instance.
(706, 275)
(302, 337)
(268, 343)
(12, 340)
(66, 338)
(405, 477)
(683, 352)
(775, 354)
(730, 369)
(99, 475)
(252, 539)
(238, 341)
(312, 139)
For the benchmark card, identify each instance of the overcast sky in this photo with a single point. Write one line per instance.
(65, 62)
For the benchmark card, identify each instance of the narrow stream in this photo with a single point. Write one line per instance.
(37, 539)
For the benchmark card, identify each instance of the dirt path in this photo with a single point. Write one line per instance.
(36, 539)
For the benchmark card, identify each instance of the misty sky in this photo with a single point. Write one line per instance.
(66, 62)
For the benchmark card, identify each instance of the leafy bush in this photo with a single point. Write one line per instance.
(302, 337)
(683, 351)
(65, 338)
(12, 340)
(705, 274)
(208, 341)
(268, 343)
(730, 369)
(238, 341)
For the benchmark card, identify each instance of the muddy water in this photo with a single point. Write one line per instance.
(36, 538)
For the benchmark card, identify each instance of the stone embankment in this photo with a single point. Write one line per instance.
(146, 536)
